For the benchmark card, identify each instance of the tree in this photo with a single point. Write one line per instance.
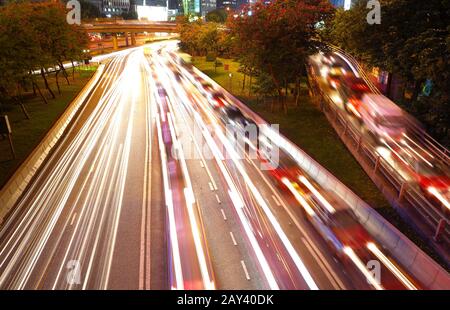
(412, 42)
(277, 38)
(217, 16)
(35, 37)
(201, 38)
(265, 88)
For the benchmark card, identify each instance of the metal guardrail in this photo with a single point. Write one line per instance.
(405, 197)
(423, 268)
(434, 146)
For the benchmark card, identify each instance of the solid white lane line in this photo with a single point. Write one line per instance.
(144, 209)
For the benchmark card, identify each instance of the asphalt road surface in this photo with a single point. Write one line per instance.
(144, 191)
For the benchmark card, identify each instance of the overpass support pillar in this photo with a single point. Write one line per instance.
(133, 38)
(115, 44)
(126, 39)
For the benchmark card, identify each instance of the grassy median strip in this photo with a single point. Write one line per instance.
(307, 126)
(26, 134)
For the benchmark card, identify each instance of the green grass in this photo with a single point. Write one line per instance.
(221, 76)
(26, 134)
(307, 127)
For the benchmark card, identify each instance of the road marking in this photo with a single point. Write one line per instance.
(247, 276)
(218, 200)
(223, 214)
(211, 186)
(143, 280)
(316, 252)
(337, 284)
(149, 186)
(232, 238)
(276, 201)
(73, 218)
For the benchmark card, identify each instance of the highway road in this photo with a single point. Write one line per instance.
(412, 166)
(146, 190)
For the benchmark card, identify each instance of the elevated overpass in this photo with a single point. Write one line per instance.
(128, 27)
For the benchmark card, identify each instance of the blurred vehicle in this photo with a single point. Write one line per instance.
(329, 215)
(381, 116)
(245, 129)
(217, 100)
(335, 221)
(426, 172)
(232, 115)
(206, 87)
(282, 167)
(347, 229)
(161, 92)
(334, 76)
(326, 59)
(352, 90)
(357, 85)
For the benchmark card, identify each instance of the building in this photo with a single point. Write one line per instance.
(227, 4)
(346, 4)
(192, 7)
(97, 3)
(115, 7)
(175, 4)
(152, 10)
(208, 6)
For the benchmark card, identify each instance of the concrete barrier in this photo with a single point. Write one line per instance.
(14, 188)
(420, 266)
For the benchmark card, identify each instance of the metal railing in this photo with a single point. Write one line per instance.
(434, 146)
(404, 196)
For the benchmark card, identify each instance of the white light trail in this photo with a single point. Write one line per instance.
(316, 193)
(439, 196)
(360, 265)
(397, 273)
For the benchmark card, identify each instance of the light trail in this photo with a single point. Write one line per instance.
(299, 197)
(395, 271)
(357, 261)
(236, 200)
(439, 196)
(316, 193)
